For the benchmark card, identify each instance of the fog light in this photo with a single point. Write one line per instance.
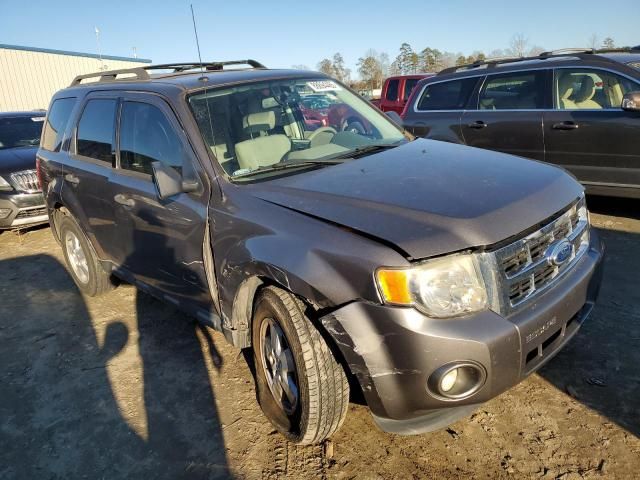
(456, 380)
(5, 212)
(449, 380)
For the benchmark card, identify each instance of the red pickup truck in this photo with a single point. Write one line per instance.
(396, 91)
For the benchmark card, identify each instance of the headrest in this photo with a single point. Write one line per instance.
(259, 122)
(587, 89)
(565, 86)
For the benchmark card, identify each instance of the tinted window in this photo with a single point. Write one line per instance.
(18, 132)
(95, 130)
(146, 136)
(451, 95)
(392, 90)
(409, 85)
(56, 124)
(515, 91)
(587, 89)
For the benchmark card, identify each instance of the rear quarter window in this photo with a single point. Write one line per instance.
(449, 95)
(56, 124)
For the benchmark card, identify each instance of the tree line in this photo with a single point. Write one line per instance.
(373, 67)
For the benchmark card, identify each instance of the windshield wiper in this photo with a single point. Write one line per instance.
(366, 150)
(286, 165)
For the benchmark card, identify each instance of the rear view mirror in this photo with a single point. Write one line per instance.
(631, 102)
(169, 182)
(395, 118)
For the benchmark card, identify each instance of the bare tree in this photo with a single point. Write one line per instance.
(593, 41)
(326, 66)
(518, 45)
(608, 43)
(535, 51)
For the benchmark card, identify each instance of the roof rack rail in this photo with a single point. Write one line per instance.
(138, 73)
(209, 66)
(493, 62)
(142, 73)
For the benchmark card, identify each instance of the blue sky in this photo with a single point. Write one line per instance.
(281, 33)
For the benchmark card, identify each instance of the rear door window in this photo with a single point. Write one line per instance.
(409, 85)
(147, 136)
(56, 124)
(450, 95)
(95, 137)
(392, 90)
(513, 91)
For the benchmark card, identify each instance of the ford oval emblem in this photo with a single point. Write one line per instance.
(561, 252)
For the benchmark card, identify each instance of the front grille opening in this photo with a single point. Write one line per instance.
(532, 355)
(550, 340)
(541, 351)
(514, 263)
(36, 212)
(519, 290)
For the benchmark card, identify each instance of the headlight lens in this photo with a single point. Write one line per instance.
(441, 288)
(4, 185)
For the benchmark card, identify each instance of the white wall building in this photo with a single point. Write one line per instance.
(30, 76)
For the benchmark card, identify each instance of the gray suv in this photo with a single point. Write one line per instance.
(429, 276)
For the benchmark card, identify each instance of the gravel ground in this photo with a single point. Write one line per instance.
(123, 386)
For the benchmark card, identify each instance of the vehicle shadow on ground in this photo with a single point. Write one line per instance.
(125, 394)
(599, 367)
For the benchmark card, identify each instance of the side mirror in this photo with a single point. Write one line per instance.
(631, 102)
(395, 118)
(169, 182)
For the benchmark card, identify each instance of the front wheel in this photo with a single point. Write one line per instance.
(302, 389)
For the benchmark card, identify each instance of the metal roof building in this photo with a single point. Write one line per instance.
(30, 76)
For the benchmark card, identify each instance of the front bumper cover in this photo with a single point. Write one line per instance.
(26, 209)
(393, 351)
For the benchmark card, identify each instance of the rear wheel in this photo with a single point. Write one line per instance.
(87, 272)
(302, 389)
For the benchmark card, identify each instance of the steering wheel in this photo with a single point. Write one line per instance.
(321, 136)
(354, 126)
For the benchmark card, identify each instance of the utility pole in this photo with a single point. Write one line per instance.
(102, 66)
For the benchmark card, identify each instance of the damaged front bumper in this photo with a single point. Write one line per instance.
(393, 351)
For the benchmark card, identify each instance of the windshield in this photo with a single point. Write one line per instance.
(20, 131)
(263, 127)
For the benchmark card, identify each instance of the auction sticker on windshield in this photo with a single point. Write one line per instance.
(323, 86)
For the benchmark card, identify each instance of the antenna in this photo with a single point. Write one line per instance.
(195, 30)
(203, 78)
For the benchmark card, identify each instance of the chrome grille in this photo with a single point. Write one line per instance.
(531, 264)
(26, 181)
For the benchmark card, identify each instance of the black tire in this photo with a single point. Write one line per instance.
(322, 384)
(98, 280)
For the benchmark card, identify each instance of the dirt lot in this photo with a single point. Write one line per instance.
(126, 387)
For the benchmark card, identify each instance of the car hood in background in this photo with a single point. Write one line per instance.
(429, 198)
(16, 159)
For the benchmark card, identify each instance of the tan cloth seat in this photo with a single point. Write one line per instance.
(262, 151)
(565, 90)
(583, 98)
(259, 123)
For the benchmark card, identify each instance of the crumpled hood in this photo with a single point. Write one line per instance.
(429, 198)
(16, 159)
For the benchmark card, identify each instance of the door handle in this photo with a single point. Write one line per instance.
(122, 200)
(69, 177)
(478, 125)
(565, 126)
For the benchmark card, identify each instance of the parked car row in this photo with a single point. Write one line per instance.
(282, 209)
(576, 109)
